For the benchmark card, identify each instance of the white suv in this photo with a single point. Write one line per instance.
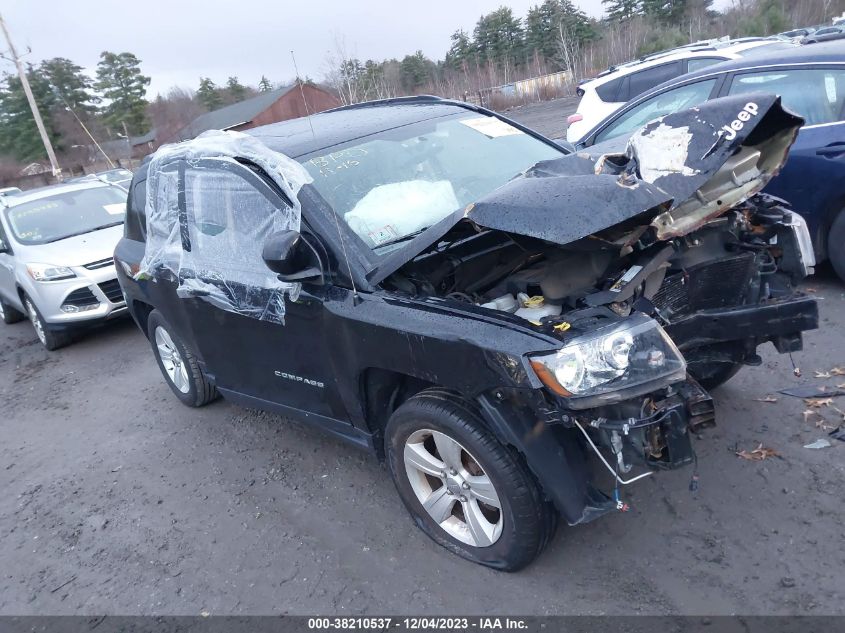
(602, 96)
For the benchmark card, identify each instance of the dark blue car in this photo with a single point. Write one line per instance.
(811, 82)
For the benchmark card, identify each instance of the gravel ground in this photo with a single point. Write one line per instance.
(119, 500)
(546, 117)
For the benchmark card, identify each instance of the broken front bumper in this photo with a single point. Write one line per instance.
(778, 320)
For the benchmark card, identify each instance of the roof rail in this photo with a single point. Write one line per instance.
(389, 101)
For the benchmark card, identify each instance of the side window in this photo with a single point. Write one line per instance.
(229, 215)
(651, 77)
(817, 94)
(4, 242)
(657, 106)
(608, 92)
(697, 63)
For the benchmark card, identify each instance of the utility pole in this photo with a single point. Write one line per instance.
(57, 171)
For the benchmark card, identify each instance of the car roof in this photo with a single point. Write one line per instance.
(51, 190)
(822, 52)
(707, 48)
(306, 135)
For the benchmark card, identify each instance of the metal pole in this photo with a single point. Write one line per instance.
(57, 171)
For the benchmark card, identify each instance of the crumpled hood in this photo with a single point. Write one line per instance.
(674, 174)
(683, 169)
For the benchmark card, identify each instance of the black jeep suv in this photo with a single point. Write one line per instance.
(488, 312)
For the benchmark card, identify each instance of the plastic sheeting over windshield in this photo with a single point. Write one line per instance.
(208, 220)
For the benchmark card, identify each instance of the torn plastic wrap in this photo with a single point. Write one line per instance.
(207, 221)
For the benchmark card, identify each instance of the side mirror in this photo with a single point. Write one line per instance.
(4, 248)
(293, 258)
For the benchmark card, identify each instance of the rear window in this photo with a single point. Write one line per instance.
(697, 63)
(647, 79)
(607, 91)
(67, 214)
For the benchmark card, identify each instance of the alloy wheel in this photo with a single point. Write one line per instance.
(2, 311)
(453, 488)
(171, 360)
(36, 322)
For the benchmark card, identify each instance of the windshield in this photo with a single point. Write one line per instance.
(393, 185)
(66, 214)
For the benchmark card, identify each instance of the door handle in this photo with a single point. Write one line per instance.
(831, 151)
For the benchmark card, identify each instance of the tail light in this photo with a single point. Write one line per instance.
(574, 118)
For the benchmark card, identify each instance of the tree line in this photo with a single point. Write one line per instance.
(110, 106)
(557, 36)
(553, 35)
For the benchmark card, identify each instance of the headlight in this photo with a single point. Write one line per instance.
(632, 353)
(48, 272)
(802, 237)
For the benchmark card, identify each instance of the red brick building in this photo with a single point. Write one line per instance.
(272, 106)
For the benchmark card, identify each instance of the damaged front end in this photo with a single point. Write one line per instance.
(660, 269)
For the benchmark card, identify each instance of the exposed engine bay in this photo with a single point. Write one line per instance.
(735, 259)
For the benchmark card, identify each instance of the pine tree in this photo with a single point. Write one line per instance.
(620, 10)
(668, 11)
(235, 91)
(499, 38)
(19, 135)
(543, 25)
(415, 70)
(264, 85)
(208, 94)
(122, 85)
(70, 84)
(461, 50)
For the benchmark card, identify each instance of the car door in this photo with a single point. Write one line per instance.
(7, 269)
(232, 301)
(811, 180)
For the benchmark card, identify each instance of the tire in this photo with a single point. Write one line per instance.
(713, 376)
(178, 364)
(510, 536)
(50, 338)
(836, 245)
(9, 314)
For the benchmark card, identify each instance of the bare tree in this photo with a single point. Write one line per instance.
(172, 113)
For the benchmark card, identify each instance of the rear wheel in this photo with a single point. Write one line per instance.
(50, 338)
(9, 314)
(464, 489)
(836, 245)
(178, 364)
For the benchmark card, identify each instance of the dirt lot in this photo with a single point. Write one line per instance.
(117, 499)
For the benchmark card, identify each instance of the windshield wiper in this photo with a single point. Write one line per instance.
(96, 228)
(404, 238)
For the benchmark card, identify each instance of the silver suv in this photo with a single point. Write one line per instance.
(56, 263)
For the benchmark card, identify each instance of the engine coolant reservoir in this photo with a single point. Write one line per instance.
(505, 303)
(535, 308)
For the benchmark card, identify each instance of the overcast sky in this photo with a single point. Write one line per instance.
(180, 40)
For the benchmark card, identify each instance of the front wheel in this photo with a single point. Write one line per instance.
(50, 338)
(466, 490)
(178, 364)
